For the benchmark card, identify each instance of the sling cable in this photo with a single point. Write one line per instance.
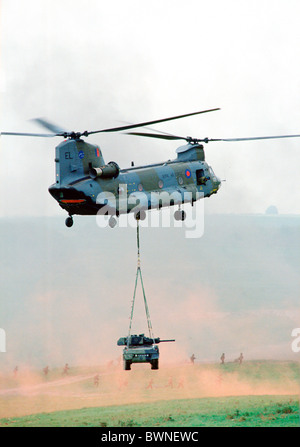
(138, 348)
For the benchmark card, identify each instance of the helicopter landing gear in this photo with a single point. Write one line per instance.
(69, 221)
(180, 215)
(140, 215)
(112, 222)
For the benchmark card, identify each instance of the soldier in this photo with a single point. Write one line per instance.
(192, 358)
(96, 380)
(66, 369)
(240, 359)
(170, 382)
(180, 383)
(149, 386)
(222, 359)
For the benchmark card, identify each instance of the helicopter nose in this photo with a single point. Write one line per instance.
(216, 185)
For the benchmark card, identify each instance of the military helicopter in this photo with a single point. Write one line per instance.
(86, 185)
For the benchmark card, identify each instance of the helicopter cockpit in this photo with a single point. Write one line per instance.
(214, 179)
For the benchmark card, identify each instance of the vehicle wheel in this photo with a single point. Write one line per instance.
(154, 364)
(69, 221)
(112, 222)
(127, 365)
(176, 215)
(180, 215)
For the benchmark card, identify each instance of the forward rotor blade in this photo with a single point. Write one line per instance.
(155, 135)
(253, 138)
(147, 123)
(206, 140)
(22, 134)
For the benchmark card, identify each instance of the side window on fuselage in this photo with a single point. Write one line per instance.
(201, 179)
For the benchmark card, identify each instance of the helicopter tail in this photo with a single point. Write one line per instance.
(74, 159)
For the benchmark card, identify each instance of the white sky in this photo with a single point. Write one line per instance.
(91, 64)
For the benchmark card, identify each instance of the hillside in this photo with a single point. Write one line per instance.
(260, 393)
(66, 293)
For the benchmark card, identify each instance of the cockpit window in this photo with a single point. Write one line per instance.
(212, 174)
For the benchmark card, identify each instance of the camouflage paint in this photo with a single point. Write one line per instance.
(77, 192)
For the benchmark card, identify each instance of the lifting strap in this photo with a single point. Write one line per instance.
(139, 275)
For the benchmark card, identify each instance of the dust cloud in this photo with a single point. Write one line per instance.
(31, 392)
(66, 298)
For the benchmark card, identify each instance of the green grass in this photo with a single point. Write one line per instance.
(245, 411)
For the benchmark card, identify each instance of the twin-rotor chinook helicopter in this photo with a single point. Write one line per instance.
(85, 185)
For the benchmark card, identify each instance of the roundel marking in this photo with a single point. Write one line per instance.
(81, 154)
(188, 173)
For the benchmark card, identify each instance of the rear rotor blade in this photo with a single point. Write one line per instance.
(50, 126)
(23, 134)
(132, 126)
(56, 131)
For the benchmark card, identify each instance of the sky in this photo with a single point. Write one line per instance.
(92, 64)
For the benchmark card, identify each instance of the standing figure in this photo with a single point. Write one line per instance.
(192, 358)
(66, 369)
(180, 383)
(170, 382)
(149, 386)
(222, 359)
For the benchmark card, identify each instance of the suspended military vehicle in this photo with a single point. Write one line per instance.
(140, 349)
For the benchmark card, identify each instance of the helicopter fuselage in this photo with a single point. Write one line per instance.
(85, 184)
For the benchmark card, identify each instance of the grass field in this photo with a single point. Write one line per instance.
(257, 393)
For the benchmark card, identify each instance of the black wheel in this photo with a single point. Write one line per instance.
(177, 215)
(69, 221)
(154, 364)
(127, 365)
(180, 215)
(112, 222)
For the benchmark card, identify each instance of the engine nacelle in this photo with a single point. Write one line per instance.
(111, 170)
